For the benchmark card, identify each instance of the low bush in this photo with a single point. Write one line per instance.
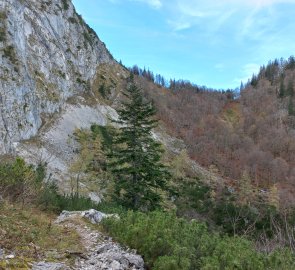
(18, 181)
(65, 4)
(52, 201)
(169, 243)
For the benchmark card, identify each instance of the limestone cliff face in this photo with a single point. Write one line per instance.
(47, 55)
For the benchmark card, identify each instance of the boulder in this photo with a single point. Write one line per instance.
(92, 215)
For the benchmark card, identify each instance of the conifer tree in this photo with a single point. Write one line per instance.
(290, 89)
(135, 158)
(246, 190)
(291, 110)
(273, 198)
(282, 89)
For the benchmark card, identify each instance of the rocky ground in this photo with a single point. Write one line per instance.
(100, 251)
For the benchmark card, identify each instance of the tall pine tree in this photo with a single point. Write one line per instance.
(135, 159)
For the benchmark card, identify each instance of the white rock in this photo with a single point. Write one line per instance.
(93, 215)
(115, 265)
(11, 256)
(94, 197)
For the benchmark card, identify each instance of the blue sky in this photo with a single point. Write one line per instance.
(209, 42)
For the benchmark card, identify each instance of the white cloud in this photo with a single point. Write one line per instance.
(215, 9)
(179, 25)
(153, 3)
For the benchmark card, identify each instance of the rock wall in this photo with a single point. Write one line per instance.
(47, 55)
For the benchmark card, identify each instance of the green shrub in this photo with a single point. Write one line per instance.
(160, 237)
(104, 90)
(65, 4)
(167, 243)
(282, 259)
(72, 20)
(9, 52)
(106, 134)
(17, 180)
(87, 38)
(51, 200)
(233, 253)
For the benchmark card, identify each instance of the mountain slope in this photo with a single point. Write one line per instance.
(253, 133)
(56, 76)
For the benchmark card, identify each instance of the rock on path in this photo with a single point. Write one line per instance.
(101, 251)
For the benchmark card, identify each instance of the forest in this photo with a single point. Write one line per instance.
(250, 131)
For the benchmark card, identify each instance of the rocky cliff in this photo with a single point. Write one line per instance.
(47, 55)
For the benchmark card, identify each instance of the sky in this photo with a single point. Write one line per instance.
(216, 43)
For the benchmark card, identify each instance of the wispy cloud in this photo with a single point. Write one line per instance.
(179, 25)
(153, 3)
(194, 12)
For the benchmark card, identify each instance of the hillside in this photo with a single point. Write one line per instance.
(215, 176)
(251, 133)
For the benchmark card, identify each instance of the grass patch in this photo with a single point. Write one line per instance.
(31, 234)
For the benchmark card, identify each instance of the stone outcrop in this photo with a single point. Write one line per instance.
(110, 255)
(101, 252)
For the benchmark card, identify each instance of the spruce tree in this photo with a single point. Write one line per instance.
(282, 89)
(135, 159)
(291, 110)
(290, 89)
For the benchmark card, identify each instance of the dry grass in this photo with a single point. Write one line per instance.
(31, 235)
(231, 113)
(110, 79)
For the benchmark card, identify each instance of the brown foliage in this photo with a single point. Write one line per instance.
(252, 133)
